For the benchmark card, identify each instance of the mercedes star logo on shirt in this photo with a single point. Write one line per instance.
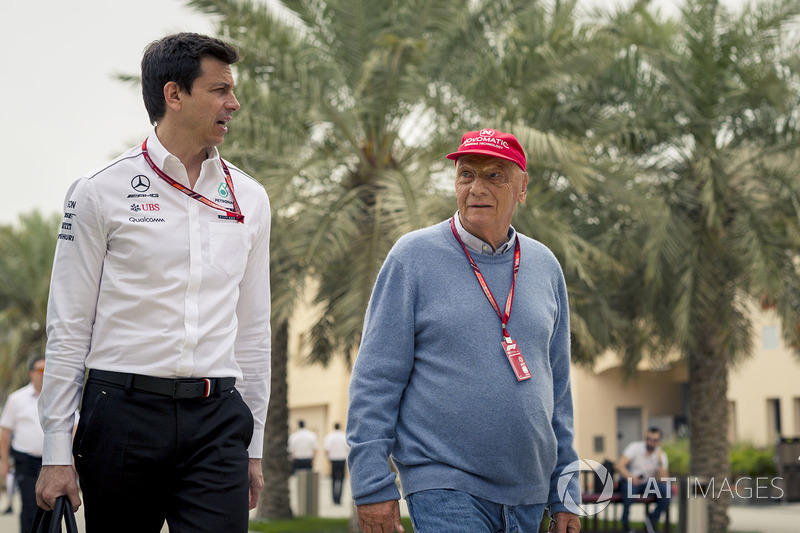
(140, 183)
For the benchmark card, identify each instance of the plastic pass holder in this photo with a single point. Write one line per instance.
(516, 359)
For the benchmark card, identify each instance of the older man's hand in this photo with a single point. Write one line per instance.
(381, 517)
(565, 523)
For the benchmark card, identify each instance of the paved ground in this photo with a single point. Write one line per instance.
(780, 518)
(764, 518)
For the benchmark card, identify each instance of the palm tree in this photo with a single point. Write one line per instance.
(708, 107)
(26, 258)
(349, 109)
(321, 129)
(534, 77)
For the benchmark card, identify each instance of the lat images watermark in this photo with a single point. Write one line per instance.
(743, 488)
(573, 471)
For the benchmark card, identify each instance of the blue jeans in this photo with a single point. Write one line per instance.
(452, 511)
(663, 495)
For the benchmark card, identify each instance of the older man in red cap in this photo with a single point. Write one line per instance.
(467, 393)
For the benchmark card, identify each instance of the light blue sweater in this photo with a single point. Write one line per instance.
(432, 386)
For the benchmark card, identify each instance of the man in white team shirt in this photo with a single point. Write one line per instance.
(21, 440)
(302, 447)
(335, 445)
(643, 469)
(160, 289)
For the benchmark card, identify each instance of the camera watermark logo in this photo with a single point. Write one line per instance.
(573, 472)
(596, 501)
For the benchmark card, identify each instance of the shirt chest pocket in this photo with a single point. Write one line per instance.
(228, 247)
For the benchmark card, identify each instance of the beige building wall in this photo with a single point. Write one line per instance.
(317, 394)
(599, 396)
(766, 387)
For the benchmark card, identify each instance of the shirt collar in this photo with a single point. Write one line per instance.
(474, 244)
(171, 165)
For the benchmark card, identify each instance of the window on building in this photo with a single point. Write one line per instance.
(599, 444)
(732, 422)
(797, 416)
(773, 419)
(770, 338)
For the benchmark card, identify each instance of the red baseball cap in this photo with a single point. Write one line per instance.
(491, 142)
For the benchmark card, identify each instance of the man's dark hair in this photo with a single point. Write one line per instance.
(302, 424)
(654, 429)
(32, 360)
(177, 58)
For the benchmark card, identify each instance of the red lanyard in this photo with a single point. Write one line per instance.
(504, 316)
(236, 213)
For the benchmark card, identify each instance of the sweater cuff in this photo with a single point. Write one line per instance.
(388, 493)
(57, 449)
(559, 507)
(256, 448)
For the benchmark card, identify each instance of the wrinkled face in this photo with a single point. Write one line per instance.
(206, 111)
(487, 191)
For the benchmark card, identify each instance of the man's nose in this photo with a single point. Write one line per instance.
(478, 186)
(233, 103)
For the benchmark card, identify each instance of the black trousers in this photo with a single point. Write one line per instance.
(337, 479)
(302, 464)
(144, 458)
(26, 472)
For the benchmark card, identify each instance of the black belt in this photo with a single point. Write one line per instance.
(176, 388)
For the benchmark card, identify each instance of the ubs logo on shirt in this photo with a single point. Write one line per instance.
(145, 207)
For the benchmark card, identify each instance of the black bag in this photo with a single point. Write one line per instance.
(50, 521)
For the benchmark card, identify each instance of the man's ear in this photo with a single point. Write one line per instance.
(524, 192)
(172, 95)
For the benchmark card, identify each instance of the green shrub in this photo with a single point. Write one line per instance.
(750, 461)
(678, 456)
(746, 459)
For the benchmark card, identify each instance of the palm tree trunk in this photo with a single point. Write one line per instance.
(708, 425)
(274, 500)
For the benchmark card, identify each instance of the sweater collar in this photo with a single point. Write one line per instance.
(474, 244)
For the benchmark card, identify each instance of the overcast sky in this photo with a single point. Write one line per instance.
(66, 114)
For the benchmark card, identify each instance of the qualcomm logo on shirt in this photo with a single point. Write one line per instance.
(573, 471)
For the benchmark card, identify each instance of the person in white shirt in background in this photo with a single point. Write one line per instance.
(335, 444)
(643, 469)
(21, 438)
(160, 289)
(302, 447)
